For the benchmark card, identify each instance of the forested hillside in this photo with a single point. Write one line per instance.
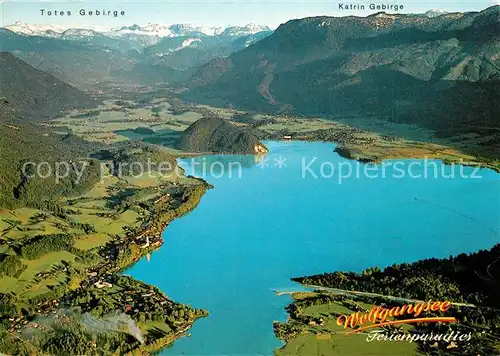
(25, 143)
(213, 134)
(33, 94)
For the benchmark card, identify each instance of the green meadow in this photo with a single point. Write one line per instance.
(313, 330)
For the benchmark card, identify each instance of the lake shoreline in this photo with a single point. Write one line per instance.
(161, 225)
(376, 152)
(330, 152)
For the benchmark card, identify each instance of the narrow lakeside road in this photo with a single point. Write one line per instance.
(369, 294)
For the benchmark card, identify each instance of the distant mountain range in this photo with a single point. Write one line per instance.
(437, 70)
(143, 35)
(187, 30)
(441, 72)
(148, 54)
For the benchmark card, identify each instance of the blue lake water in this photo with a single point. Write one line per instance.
(250, 234)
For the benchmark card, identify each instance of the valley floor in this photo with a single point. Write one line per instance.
(163, 118)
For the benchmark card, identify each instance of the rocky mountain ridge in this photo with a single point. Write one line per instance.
(403, 68)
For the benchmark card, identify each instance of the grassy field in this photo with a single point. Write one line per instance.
(352, 345)
(330, 339)
(26, 285)
(111, 123)
(88, 242)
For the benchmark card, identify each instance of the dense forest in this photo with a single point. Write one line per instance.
(23, 148)
(214, 134)
(41, 245)
(473, 278)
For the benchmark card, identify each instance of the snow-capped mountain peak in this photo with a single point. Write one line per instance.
(166, 30)
(77, 32)
(435, 13)
(249, 29)
(35, 30)
(142, 35)
(154, 30)
(148, 30)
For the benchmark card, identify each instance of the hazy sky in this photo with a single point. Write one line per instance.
(207, 12)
